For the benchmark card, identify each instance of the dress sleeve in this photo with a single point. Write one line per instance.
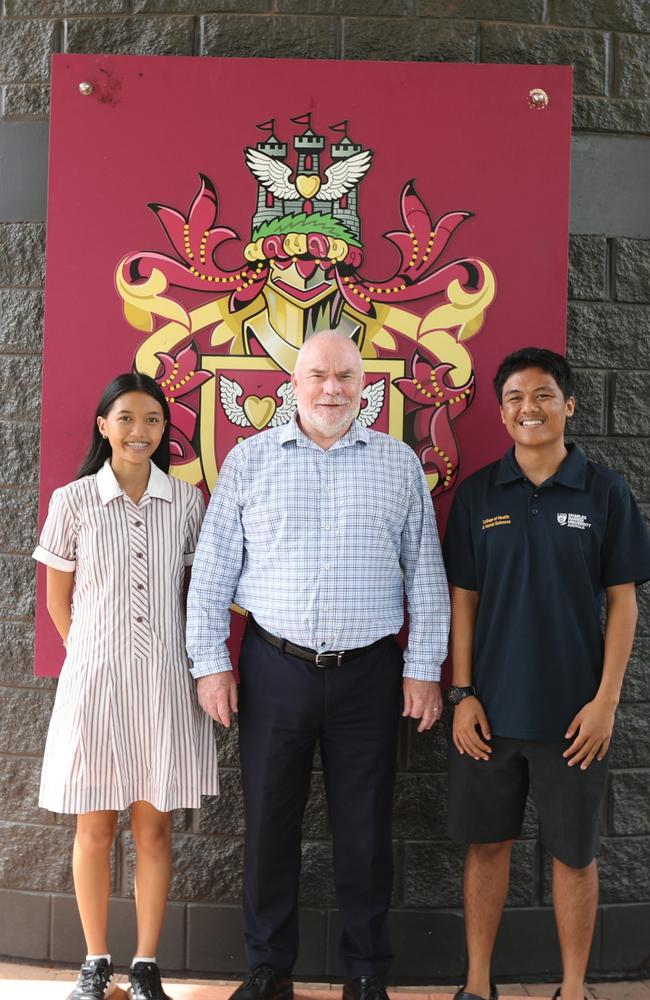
(195, 515)
(57, 546)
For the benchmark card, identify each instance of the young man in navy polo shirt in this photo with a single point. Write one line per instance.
(533, 544)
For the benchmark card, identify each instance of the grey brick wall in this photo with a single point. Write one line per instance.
(608, 42)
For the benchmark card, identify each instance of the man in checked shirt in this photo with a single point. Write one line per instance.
(318, 528)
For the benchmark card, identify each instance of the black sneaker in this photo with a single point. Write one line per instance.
(264, 983)
(144, 982)
(96, 981)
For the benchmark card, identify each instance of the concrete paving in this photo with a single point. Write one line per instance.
(21, 981)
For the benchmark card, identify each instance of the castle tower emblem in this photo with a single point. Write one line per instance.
(308, 193)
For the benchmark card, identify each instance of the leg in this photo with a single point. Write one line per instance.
(568, 801)
(486, 808)
(487, 870)
(358, 746)
(575, 899)
(92, 875)
(279, 717)
(153, 866)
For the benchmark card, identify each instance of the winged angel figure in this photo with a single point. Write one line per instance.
(230, 391)
(341, 176)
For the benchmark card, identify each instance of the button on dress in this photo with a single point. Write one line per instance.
(126, 724)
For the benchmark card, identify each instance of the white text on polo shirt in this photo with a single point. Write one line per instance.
(496, 521)
(574, 521)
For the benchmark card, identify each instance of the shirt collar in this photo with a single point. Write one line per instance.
(292, 432)
(109, 489)
(571, 473)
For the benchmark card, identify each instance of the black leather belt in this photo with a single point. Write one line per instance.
(323, 660)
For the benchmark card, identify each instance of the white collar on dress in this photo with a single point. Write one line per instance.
(108, 487)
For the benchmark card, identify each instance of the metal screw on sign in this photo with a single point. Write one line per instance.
(85, 88)
(538, 99)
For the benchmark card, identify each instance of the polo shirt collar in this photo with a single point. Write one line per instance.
(292, 432)
(109, 489)
(572, 471)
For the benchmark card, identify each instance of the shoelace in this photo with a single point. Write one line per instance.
(91, 974)
(372, 988)
(147, 979)
(260, 977)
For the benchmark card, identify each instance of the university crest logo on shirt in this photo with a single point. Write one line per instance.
(223, 326)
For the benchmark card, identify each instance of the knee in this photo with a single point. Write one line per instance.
(95, 837)
(563, 870)
(153, 839)
(489, 853)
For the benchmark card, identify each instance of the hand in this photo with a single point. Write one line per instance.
(470, 724)
(217, 694)
(422, 700)
(593, 725)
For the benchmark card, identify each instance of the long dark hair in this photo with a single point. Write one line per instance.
(100, 449)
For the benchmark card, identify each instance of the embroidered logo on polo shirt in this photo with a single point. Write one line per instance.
(574, 521)
(497, 521)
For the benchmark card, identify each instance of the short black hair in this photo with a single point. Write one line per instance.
(535, 357)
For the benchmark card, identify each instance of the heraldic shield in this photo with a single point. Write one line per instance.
(222, 341)
(201, 227)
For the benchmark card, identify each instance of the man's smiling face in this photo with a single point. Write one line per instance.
(533, 408)
(328, 382)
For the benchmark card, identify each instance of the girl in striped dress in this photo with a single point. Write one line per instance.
(126, 728)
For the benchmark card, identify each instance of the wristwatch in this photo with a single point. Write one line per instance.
(454, 694)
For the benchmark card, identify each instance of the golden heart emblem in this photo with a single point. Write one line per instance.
(308, 185)
(259, 411)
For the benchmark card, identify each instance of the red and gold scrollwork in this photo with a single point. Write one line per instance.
(301, 272)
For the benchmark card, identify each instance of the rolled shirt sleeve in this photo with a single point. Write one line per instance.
(425, 583)
(57, 546)
(216, 570)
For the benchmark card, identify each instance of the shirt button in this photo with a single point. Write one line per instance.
(141, 586)
(327, 565)
(534, 510)
(139, 618)
(138, 524)
(535, 495)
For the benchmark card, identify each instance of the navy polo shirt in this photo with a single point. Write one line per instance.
(540, 558)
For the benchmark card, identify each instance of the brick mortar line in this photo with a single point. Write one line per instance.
(545, 26)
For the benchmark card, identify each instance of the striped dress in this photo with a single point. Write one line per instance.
(126, 725)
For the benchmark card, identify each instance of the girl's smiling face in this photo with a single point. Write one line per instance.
(134, 426)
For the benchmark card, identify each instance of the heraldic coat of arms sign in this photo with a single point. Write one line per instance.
(226, 364)
(207, 216)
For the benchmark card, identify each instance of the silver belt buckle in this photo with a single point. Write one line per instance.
(320, 659)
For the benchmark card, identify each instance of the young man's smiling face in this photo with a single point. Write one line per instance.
(533, 408)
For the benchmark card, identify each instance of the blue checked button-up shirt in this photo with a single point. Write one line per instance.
(320, 546)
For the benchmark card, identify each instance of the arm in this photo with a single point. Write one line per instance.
(427, 595)
(59, 599)
(469, 713)
(592, 726)
(215, 572)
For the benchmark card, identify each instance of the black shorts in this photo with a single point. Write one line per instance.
(487, 798)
